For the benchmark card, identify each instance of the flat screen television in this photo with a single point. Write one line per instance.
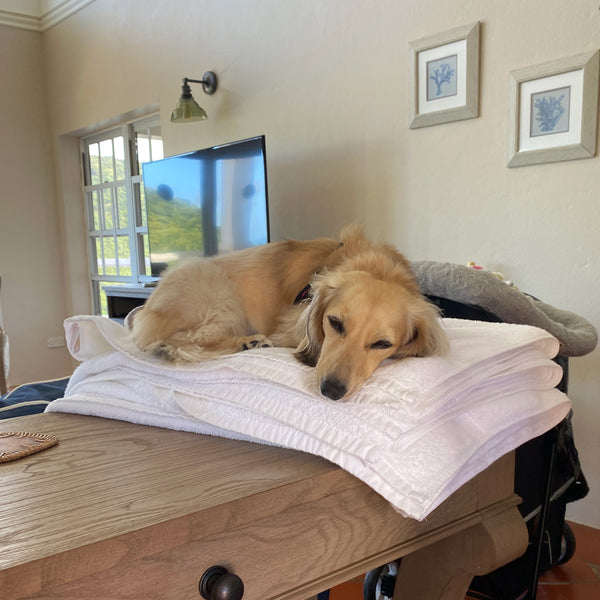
(207, 202)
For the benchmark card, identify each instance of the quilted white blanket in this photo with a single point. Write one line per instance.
(416, 431)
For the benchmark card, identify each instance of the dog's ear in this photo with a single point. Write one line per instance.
(428, 337)
(309, 349)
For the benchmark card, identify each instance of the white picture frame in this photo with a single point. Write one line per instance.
(553, 111)
(444, 77)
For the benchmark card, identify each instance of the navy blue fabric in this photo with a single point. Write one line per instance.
(31, 398)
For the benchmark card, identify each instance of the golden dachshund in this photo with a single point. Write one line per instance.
(344, 305)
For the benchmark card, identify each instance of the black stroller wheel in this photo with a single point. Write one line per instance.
(567, 545)
(379, 583)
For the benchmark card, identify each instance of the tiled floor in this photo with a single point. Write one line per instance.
(579, 579)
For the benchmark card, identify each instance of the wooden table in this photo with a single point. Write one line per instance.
(118, 510)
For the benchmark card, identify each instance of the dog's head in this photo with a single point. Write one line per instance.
(365, 310)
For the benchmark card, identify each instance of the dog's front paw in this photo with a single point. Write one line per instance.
(255, 341)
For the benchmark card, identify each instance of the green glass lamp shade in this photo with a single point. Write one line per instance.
(187, 110)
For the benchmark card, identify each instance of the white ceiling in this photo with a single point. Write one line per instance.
(37, 15)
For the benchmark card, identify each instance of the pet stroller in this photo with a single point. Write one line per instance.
(548, 474)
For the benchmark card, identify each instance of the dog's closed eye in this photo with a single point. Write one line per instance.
(381, 345)
(336, 324)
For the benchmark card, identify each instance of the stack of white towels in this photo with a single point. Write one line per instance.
(417, 430)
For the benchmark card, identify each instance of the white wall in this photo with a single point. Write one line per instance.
(327, 81)
(33, 300)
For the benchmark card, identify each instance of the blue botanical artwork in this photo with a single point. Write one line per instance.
(550, 111)
(441, 78)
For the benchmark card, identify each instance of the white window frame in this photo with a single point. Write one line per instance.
(136, 229)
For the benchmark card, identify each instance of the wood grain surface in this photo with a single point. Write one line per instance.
(118, 510)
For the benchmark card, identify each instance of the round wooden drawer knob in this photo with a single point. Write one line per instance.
(217, 583)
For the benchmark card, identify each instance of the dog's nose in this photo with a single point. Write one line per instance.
(333, 388)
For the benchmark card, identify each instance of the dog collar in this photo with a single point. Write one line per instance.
(305, 295)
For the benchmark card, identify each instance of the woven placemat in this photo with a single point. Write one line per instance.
(17, 444)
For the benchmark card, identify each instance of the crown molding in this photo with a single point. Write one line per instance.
(38, 17)
(20, 20)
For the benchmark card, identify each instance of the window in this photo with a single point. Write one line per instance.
(115, 204)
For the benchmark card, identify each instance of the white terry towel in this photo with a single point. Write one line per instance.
(417, 430)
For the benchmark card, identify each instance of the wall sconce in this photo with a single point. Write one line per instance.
(187, 108)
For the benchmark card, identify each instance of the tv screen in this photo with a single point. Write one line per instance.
(207, 202)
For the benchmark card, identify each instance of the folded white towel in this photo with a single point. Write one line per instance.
(417, 430)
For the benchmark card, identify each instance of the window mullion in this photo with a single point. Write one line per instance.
(131, 211)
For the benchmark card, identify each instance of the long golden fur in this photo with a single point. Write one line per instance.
(366, 307)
